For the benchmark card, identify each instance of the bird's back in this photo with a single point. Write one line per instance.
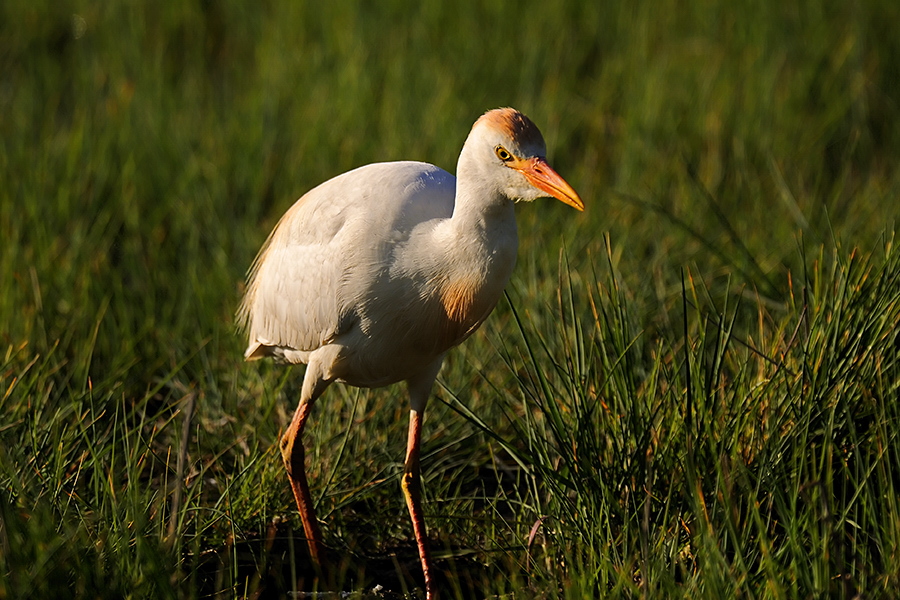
(329, 258)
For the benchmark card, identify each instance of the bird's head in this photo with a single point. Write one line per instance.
(507, 150)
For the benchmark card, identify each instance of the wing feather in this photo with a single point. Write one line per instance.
(304, 285)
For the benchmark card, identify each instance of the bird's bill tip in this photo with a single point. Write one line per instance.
(542, 176)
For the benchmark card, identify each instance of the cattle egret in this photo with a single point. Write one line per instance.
(371, 277)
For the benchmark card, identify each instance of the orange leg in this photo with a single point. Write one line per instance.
(411, 490)
(294, 460)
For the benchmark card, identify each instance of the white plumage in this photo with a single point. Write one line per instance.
(372, 276)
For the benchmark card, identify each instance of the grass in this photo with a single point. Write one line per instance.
(689, 391)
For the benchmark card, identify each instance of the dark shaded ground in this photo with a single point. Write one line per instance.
(267, 567)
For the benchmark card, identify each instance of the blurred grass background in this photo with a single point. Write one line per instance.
(749, 150)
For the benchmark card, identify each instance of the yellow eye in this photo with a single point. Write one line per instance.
(503, 154)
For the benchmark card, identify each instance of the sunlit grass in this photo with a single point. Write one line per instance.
(689, 391)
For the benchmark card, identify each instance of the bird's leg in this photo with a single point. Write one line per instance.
(294, 461)
(412, 492)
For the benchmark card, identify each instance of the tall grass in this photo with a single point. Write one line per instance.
(707, 462)
(697, 399)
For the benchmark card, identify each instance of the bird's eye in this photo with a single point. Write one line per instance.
(503, 154)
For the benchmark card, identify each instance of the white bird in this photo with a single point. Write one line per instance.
(371, 277)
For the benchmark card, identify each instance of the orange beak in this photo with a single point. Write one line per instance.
(543, 177)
